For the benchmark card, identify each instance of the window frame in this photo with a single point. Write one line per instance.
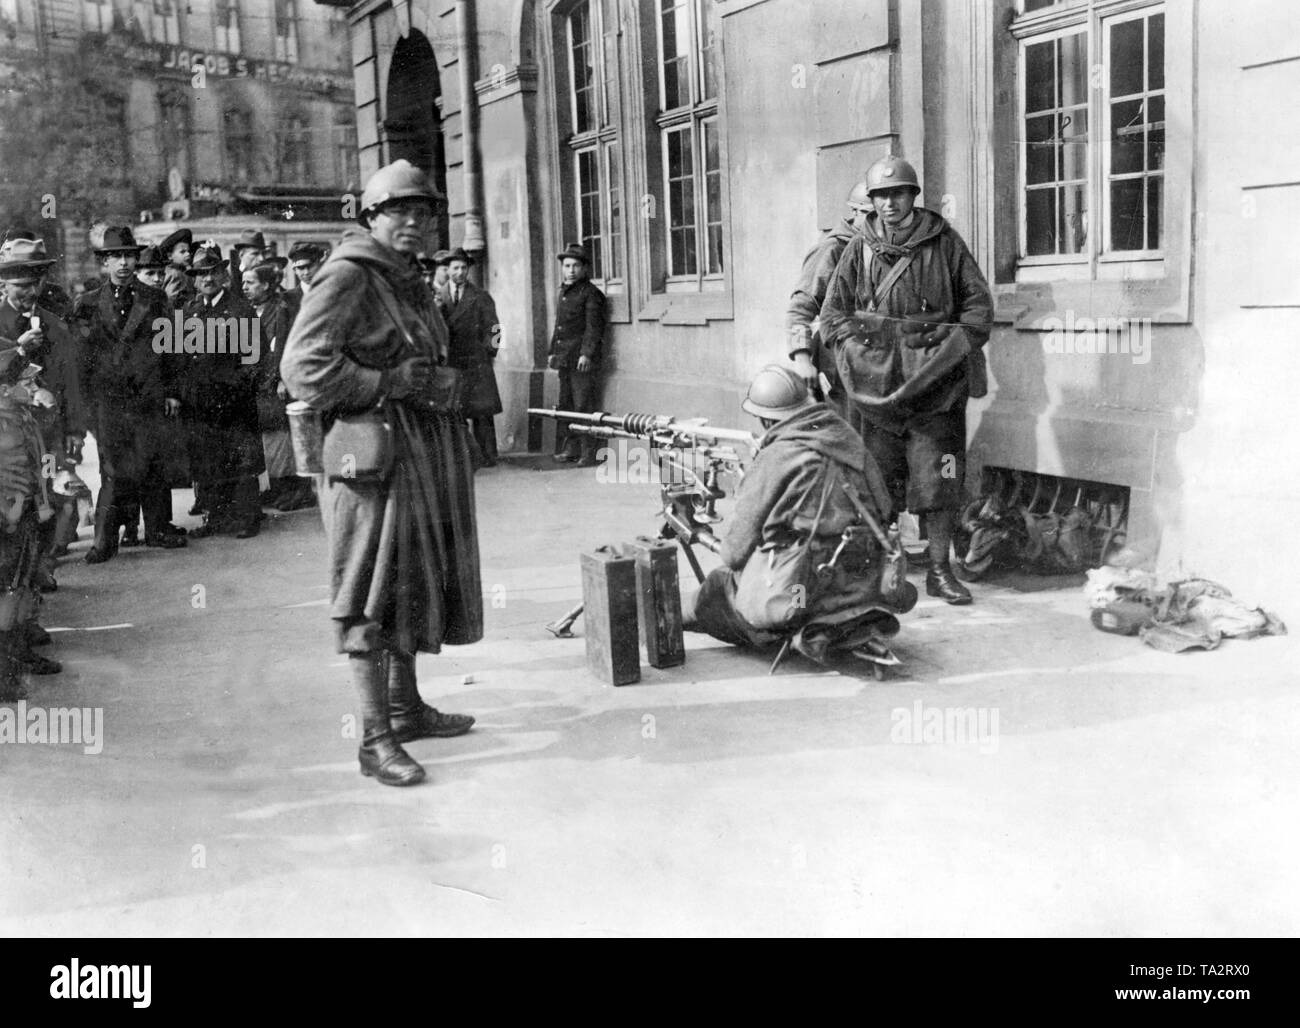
(1028, 294)
(288, 53)
(245, 114)
(235, 14)
(103, 15)
(293, 134)
(171, 98)
(603, 134)
(697, 111)
(1093, 18)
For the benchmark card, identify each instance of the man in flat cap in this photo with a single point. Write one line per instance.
(132, 392)
(434, 272)
(306, 259)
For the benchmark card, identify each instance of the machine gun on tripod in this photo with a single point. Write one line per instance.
(693, 456)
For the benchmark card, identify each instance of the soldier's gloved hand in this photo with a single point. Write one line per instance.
(409, 378)
(584, 363)
(804, 367)
(72, 445)
(171, 407)
(281, 392)
(935, 336)
(553, 362)
(868, 322)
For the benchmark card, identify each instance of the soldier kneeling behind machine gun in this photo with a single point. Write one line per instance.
(807, 564)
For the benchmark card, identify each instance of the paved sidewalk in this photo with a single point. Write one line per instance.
(1108, 788)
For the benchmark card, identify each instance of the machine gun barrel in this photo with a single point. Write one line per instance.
(646, 425)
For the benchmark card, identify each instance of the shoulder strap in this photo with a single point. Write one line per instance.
(386, 298)
(827, 475)
(895, 273)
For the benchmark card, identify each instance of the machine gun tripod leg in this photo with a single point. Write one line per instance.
(563, 628)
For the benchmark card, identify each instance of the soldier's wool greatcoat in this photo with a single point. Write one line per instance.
(343, 342)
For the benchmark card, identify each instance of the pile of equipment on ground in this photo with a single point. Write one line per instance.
(1192, 614)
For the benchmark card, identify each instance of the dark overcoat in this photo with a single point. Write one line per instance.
(580, 318)
(417, 586)
(218, 394)
(123, 378)
(473, 329)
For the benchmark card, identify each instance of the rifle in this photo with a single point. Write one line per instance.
(690, 495)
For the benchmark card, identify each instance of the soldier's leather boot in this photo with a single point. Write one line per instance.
(105, 545)
(381, 756)
(409, 715)
(941, 582)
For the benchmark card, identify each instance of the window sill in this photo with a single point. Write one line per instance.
(687, 308)
(1159, 297)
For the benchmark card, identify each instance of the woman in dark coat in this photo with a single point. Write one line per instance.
(404, 557)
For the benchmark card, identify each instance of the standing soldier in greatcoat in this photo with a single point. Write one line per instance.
(404, 554)
(906, 315)
(132, 393)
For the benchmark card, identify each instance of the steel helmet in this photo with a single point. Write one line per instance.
(776, 393)
(859, 197)
(889, 172)
(400, 180)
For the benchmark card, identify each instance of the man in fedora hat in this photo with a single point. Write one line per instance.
(471, 317)
(219, 403)
(251, 249)
(575, 347)
(45, 342)
(132, 392)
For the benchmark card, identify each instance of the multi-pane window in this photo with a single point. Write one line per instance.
(346, 164)
(226, 15)
(166, 22)
(239, 144)
(1088, 193)
(286, 30)
(97, 15)
(112, 151)
(614, 207)
(690, 145)
(595, 172)
(1135, 117)
(174, 130)
(295, 150)
(1056, 144)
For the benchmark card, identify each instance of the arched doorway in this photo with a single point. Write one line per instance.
(413, 126)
